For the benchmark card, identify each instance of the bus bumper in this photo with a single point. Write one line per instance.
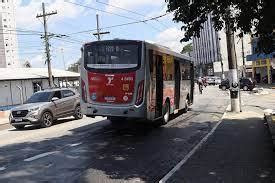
(117, 111)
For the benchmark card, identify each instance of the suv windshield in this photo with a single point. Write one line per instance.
(111, 56)
(39, 97)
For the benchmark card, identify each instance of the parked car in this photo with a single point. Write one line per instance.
(44, 107)
(213, 80)
(218, 80)
(210, 80)
(245, 84)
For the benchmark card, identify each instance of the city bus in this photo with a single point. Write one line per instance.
(124, 79)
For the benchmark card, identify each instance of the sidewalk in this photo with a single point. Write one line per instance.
(240, 150)
(4, 117)
(4, 121)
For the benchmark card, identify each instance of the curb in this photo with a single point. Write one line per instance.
(4, 117)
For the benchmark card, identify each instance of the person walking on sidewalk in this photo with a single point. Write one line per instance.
(200, 84)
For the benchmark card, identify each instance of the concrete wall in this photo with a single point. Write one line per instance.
(10, 93)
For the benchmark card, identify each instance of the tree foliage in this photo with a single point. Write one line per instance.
(255, 17)
(187, 48)
(74, 67)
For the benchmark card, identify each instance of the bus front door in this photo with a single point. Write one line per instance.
(159, 86)
(177, 85)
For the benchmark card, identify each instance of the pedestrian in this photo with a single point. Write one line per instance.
(204, 82)
(200, 84)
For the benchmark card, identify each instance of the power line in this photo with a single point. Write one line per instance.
(20, 30)
(21, 34)
(67, 41)
(124, 9)
(119, 25)
(96, 9)
(44, 15)
(99, 33)
(131, 11)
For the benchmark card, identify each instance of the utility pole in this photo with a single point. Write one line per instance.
(244, 68)
(220, 55)
(46, 38)
(64, 64)
(98, 29)
(232, 63)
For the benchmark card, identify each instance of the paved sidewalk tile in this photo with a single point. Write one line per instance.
(240, 150)
(4, 121)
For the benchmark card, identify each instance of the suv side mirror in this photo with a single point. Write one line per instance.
(55, 99)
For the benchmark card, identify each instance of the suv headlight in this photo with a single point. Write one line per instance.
(34, 109)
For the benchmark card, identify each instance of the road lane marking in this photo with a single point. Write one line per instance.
(40, 156)
(192, 152)
(76, 144)
(2, 168)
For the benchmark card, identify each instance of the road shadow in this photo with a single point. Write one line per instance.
(238, 151)
(35, 127)
(126, 152)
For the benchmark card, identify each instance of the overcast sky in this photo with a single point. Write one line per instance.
(72, 18)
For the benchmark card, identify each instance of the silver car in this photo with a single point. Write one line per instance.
(44, 107)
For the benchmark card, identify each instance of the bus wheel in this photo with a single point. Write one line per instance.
(166, 113)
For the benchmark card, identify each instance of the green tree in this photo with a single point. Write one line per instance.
(255, 17)
(74, 67)
(187, 48)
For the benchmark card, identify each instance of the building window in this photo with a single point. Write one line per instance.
(37, 86)
(5, 26)
(67, 93)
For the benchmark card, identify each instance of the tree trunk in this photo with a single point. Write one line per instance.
(233, 71)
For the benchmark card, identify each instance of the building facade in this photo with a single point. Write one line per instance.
(18, 86)
(263, 65)
(8, 38)
(206, 49)
(210, 51)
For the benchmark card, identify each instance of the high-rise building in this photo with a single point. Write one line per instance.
(210, 50)
(8, 38)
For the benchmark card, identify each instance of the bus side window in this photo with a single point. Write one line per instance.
(152, 63)
(168, 70)
(185, 71)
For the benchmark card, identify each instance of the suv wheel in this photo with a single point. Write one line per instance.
(77, 113)
(19, 127)
(245, 88)
(46, 120)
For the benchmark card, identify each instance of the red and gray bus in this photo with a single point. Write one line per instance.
(134, 79)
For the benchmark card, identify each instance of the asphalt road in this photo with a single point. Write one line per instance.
(94, 150)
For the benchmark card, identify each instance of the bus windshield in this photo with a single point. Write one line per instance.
(111, 56)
